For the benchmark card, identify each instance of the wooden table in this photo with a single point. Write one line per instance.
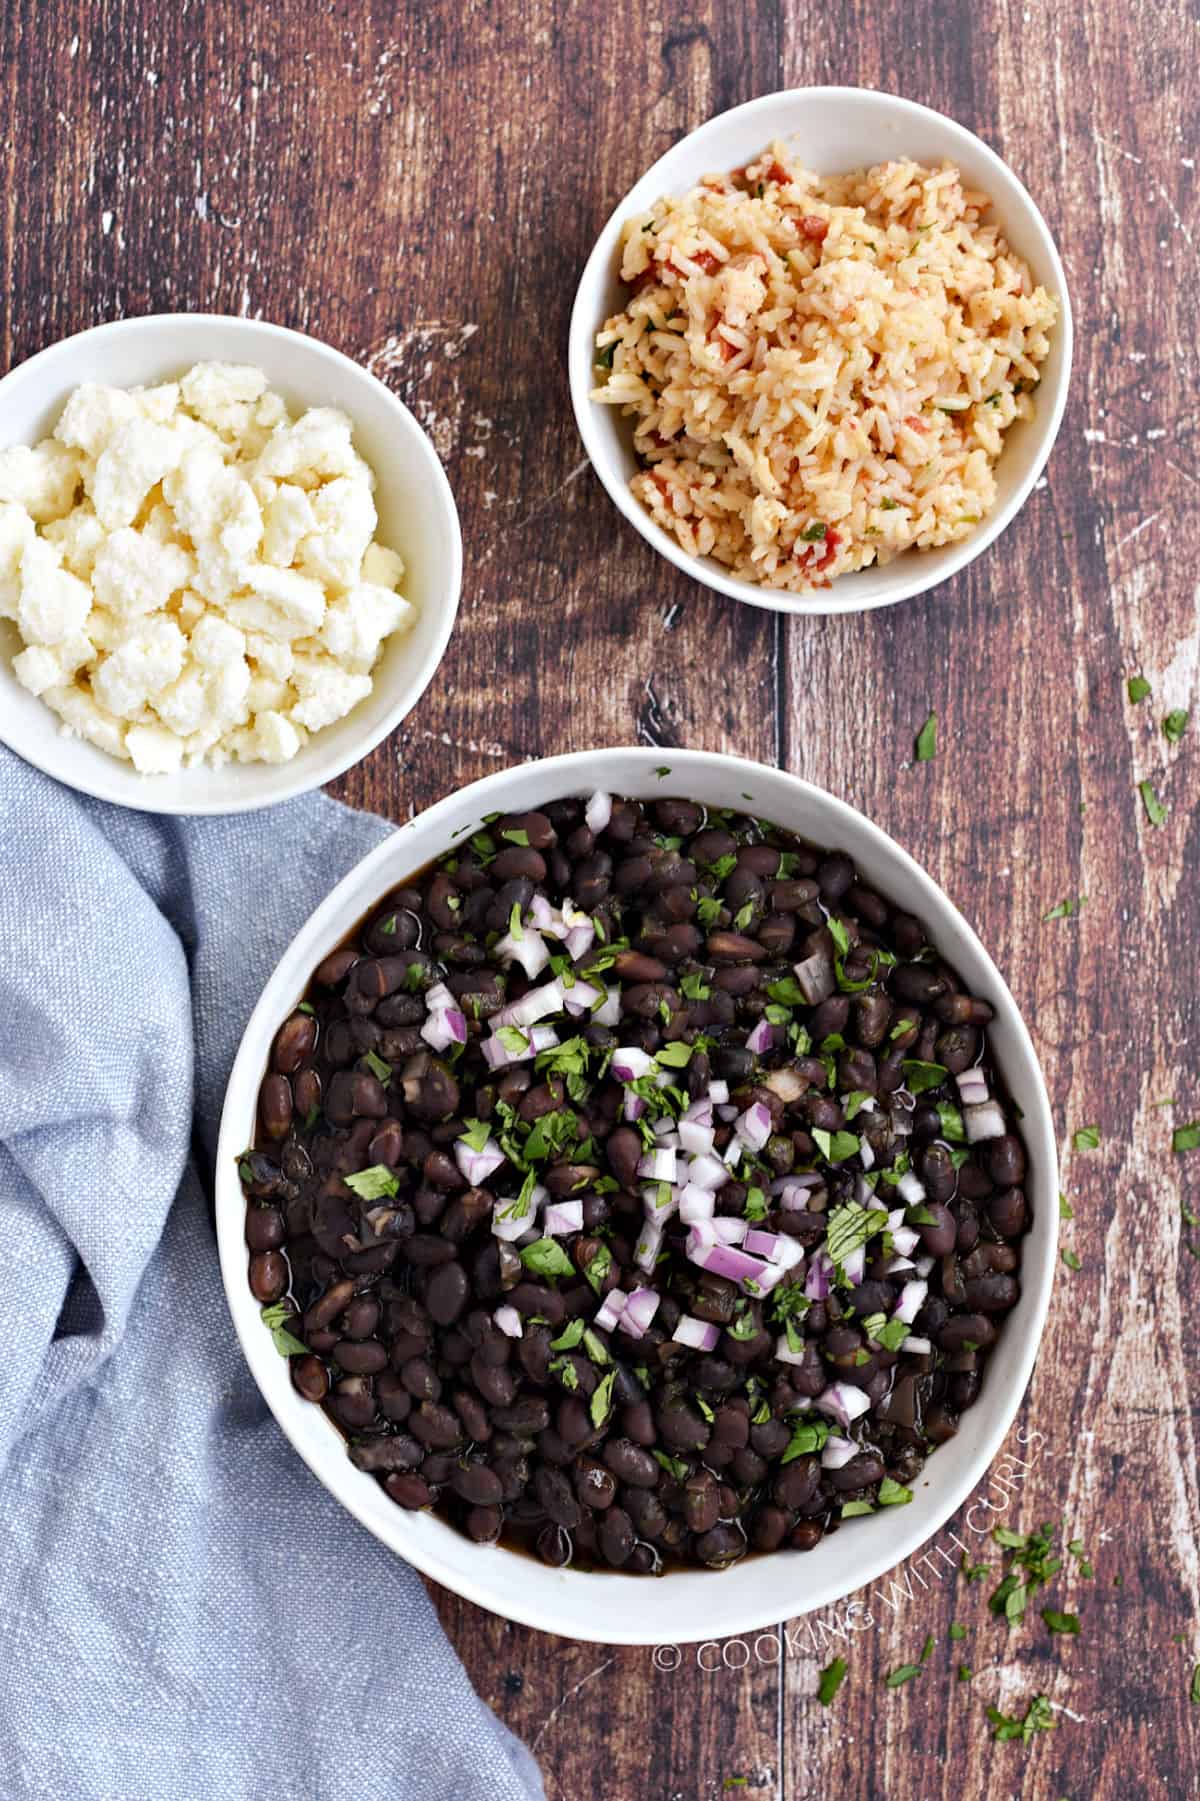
(420, 186)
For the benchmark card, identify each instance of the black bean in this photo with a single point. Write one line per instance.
(265, 1229)
(268, 1276)
(1008, 1212)
(275, 1106)
(797, 1482)
(446, 1293)
(310, 1377)
(966, 1331)
(937, 1228)
(414, 1492)
(476, 1483)
(994, 1293)
(436, 1426)
(1005, 1159)
(721, 1546)
(360, 1357)
(399, 1452)
(860, 1472)
(630, 1463)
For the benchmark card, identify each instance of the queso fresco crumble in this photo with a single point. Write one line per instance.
(193, 573)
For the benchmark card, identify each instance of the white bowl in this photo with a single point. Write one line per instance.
(417, 517)
(683, 1604)
(834, 130)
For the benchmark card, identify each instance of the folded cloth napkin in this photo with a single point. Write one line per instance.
(184, 1611)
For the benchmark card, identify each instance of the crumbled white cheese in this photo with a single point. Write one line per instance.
(194, 574)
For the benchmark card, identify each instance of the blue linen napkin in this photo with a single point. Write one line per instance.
(184, 1611)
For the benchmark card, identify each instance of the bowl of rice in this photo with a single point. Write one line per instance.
(820, 352)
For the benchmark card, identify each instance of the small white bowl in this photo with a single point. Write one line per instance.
(833, 130)
(684, 1604)
(417, 517)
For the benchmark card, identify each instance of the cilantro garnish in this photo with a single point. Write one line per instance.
(926, 745)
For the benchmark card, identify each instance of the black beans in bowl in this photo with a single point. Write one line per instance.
(636, 1186)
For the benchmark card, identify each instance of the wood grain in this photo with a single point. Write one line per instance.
(420, 185)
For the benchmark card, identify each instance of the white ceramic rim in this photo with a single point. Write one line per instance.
(838, 599)
(445, 1554)
(55, 754)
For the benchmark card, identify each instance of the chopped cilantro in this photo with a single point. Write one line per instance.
(1137, 688)
(1065, 909)
(546, 1257)
(674, 1466)
(378, 1068)
(1071, 1260)
(1155, 811)
(834, 1674)
(1087, 1138)
(835, 1147)
(1175, 725)
(1065, 1209)
(957, 1631)
(373, 1184)
(285, 1344)
(926, 746)
(919, 1076)
(476, 1134)
(893, 1494)
(1061, 1622)
(1037, 1718)
(808, 1437)
(1186, 1138)
(601, 1399)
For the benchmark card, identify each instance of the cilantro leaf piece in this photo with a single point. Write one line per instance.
(1175, 725)
(601, 1401)
(850, 1226)
(598, 1268)
(1087, 1138)
(546, 1257)
(957, 1631)
(569, 1337)
(1071, 1259)
(1065, 1209)
(903, 1673)
(926, 745)
(1061, 1622)
(1037, 1718)
(808, 1437)
(379, 1069)
(1065, 909)
(851, 1508)
(1186, 1138)
(374, 1184)
(1156, 813)
(476, 1134)
(835, 1147)
(893, 1494)
(517, 835)
(919, 1076)
(1137, 688)
(834, 1674)
(273, 1318)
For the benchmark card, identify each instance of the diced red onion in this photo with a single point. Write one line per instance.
(911, 1189)
(760, 1038)
(920, 1347)
(542, 1038)
(508, 1229)
(843, 1402)
(438, 998)
(610, 1310)
(697, 1334)
(726, 1110)
(640, 1308)
(754, 1125)
(837, 1451)
(707, 1172)
(598, 812)
(760, 1243)
(664, 1131)
(718, 1093)
(649, 1244)
(496, 1055)
(581, 997)
(771, 1275)
(731, 1230)
(694, 1138)
(819, 1277)
(695, 1203)
(698, 1112)
(905, 1240)
(609, 1013)
(896, 1266)
(726, 1260)
(700, 1239)
(579, 939)
(912, 1299)
(925, 1264)
(657, 1166)
(984, 1121)
(477, 1166)
(630, 1063)
(545, 917)
(653, 1204)
(784, 1352)
(528, 950)
(634, 1106)
(509, 1322)
(854, 1264)
(734, 1151)
(445, 1027)
(561, 1218)
(972, 1086)
(866, 1154)
(816, 978)
(532, 1006)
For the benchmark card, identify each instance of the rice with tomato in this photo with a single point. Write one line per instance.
(821, 369)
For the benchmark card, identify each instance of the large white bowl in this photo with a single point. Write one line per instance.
(833, 130)
(683, 1604)
(417, 517)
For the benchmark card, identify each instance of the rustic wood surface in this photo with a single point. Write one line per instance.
(420, 186)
